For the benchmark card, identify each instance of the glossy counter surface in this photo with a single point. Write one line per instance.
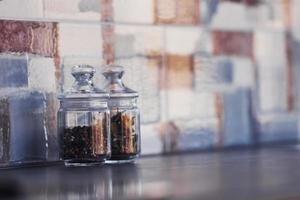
(270, 173)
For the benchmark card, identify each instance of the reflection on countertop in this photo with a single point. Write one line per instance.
(269, 173)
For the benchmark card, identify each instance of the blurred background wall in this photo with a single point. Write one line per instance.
(210, 73)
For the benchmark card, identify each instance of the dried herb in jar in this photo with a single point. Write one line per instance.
(125, 123)
(123, 136)
(85, 142)
(100, 134)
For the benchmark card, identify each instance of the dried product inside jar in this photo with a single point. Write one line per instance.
(123, 135)
(85, 142)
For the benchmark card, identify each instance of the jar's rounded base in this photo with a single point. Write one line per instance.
(82, 163)
(122, 158)
(120, 161)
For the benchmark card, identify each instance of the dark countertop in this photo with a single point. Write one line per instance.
(257, 174)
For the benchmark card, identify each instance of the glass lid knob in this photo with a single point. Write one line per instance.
(83, 75)
(113, 75)
(115, 85)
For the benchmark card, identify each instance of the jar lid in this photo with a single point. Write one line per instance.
(115, 86)
(83, 86)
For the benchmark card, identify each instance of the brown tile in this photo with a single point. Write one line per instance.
(107, 11)
(287, 17)
(44, 39)
(28, 37)
(176, 12)
(233, 43)
(290, 76)
(187, 12)
(57, 57)
(219, 105)
(5, 130)
(179, 71)
(154, 60)
(108, 43)
(14, 36)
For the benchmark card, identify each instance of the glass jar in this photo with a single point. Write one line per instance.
(84, 121)
(124, 117)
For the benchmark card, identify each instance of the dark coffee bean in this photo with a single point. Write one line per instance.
(77, 143)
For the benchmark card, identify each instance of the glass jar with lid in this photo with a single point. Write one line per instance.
(84, 121)
(124, 117)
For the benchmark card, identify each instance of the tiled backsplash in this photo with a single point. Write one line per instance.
(210, 73)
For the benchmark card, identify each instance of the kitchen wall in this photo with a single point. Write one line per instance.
(210, 73)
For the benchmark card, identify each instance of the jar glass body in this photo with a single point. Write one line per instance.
(125, 130)
(84, 132)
